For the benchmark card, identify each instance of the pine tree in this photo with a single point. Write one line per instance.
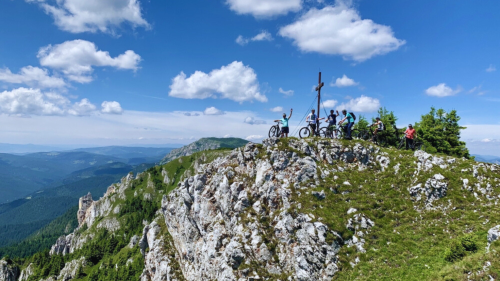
(440, 133)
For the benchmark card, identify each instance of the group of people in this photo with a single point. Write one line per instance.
(349, 119)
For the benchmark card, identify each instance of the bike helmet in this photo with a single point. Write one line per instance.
(409, 125)
(378, 118)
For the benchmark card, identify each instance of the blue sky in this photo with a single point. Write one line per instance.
(127, 72)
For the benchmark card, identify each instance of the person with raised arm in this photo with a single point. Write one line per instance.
(284, 122)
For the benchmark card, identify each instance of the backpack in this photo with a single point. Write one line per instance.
(353, 116)
(383, 126)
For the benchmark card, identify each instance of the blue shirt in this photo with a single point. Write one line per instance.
(350, 119)
(284, 121)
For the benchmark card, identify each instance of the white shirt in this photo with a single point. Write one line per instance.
(311, 121)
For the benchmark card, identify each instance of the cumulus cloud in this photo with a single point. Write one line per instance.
(264, 8)
(263, 36)
(330, 103)
(33, 77)
(253, 121)
(361, 104)
(213, 111)
(343, 81)
(29, 102)
(442, 90)
(111, 107)
(78, 16)
(77, 58)
(235, 81)
(340, 30)
(254, 138)
(277, 109)
(492, 68)
(286, 93)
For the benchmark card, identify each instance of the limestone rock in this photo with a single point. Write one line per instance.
(434, 189)
(62, 245)
(84, 203)
(493, 235)
(8, 272)
(70, 270)
(27, 272)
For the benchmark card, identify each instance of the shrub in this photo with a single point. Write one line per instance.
(469, 243)
(455, 252)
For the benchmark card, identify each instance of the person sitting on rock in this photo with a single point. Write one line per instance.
(284, 121)
(379, 128)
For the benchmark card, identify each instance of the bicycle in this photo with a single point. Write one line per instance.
(305, 132)
(417, 145)
(275, 130)
(331, 132)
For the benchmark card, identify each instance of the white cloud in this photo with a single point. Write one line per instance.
(33, 102)
(82, 108)
(33, 77)
(235, 81)
(254, 138)
(361, 104)
(330, 103)
(264, 8)
(442, 90)
(339, 30)
(111, 107)
(286, 93)
(78, 16)
(77, 58)
(492, 68)
(213, 111)
(344, 81)
(263, 36)
(277, 109)
(253, 121)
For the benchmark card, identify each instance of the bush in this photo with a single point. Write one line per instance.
(469, 243)
(455, 252)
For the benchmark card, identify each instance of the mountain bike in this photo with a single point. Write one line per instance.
(275, 130)
(331, 132)
(305, 132)
(417, 145)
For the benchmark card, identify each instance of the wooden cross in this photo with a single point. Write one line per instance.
(318, 89)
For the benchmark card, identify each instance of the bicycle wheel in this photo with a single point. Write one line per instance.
(304, 133)
(340, 133)
(273, 132)
(402, 144)
(355, 133)
(323, 132)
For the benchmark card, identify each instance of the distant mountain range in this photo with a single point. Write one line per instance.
(487, 158)
(204, 144)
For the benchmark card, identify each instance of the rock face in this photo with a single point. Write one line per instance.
(221, 222)
(493, 235)
(84, 203)
(70, 270)
(62, 245)
(8, 272)
(434, 189)
(26, 273)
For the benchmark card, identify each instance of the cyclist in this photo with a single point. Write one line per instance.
(410, 134)
(350, 122)
(380, 127)
(312, 119)
(332, 122)
(284, 121)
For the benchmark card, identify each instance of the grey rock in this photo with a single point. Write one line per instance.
(27, 272)
(493, 235)
(70, 270)
(434, 189)
(8, 272)
(320, 195)
(84, 203)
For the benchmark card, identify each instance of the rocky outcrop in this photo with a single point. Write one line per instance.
(8, 272)
(70, 270)
(493, 235)
(205, 214)
(84, 203)
(27, 272)
(434, 189)
(62, 245)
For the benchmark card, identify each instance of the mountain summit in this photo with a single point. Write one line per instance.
(288, 209)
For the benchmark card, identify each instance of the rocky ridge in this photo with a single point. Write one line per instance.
(239, 217)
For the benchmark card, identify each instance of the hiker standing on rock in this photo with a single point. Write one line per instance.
(312, 119)
(284, 121)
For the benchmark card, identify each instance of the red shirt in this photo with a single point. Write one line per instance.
(410, 133)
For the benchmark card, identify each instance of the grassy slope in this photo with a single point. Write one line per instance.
(406, 244)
